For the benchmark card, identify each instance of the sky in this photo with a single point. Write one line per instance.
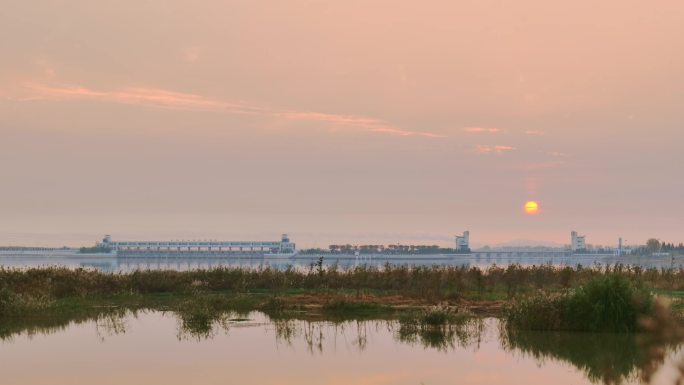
(375, 121)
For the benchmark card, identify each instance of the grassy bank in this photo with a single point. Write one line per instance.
(332, 292)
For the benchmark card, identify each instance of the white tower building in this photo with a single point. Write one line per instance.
(577, 242)
(463, 241)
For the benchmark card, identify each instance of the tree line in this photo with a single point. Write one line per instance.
(654, 245)
(384, 249)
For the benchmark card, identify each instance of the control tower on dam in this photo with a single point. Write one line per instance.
(278, 249)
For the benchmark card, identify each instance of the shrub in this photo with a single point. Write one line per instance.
(609, 303)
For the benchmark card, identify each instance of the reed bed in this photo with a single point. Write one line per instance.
(609, 303)
(36, 287)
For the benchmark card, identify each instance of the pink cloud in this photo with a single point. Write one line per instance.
(149, 97)
(160, 98)
(481, 129)
(534, 132)
(332, 118)
(486, 149)
(396, 131)
(370, 124)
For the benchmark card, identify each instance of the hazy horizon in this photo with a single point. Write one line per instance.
(341, 121)
(318, 240)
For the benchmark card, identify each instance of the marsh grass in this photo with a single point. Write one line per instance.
(441, 328)
(432, 318)
(343, 308)
(12, 303)
(609, 303)
(23, 291)
(200, 318)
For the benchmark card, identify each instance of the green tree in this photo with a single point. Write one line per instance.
(653, 245)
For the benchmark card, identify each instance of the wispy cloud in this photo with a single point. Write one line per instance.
(149, 97)
(497, 149)
(400, 132)
(534, 132)
(482, 129)
(160, 98)
(370, 124)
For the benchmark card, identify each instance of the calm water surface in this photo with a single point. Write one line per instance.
(124, 264)
(158, 348)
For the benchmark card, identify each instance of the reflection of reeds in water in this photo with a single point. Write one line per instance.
(285, 330)
(608, 358)
(203, 317)
(441, 328)
(662, 332)
(450, 333)
(201, 326)
(108, 321)
(113, 323)
(316, 334)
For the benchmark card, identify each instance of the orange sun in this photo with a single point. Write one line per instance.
(531, 208)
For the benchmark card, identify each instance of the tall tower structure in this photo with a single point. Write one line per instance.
(619, 249)
(463, 241)
(577, 242)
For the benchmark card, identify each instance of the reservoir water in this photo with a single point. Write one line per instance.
(155, 347)
(112, 263)
(158, 348)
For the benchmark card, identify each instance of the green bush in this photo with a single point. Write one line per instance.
(609, 303)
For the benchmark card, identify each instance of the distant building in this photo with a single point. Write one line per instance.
(619, 248)
(283, 246)
(577, 242)
(463, 241)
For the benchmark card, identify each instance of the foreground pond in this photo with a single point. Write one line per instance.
(161, 348)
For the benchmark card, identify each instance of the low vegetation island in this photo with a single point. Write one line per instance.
(609, 298)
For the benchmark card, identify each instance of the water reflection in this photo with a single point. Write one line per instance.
(319, 336)
(601, 358)
(112, 323)
(108, 322)
(183, 262)
(604, 358)
(465, 333)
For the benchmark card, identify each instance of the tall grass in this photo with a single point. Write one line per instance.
(439, 327)
(24, 288)
(609, 303)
